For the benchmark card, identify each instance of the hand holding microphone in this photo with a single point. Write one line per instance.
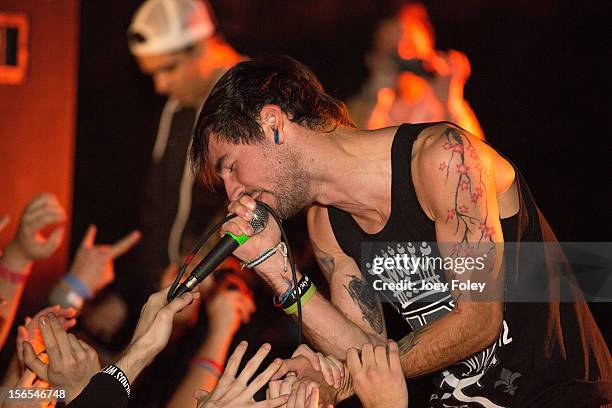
(251, 219)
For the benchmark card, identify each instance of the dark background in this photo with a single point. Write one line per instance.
(538, 86)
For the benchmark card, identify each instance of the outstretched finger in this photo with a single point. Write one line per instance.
(234, 360)
(51, 345)
(294, 365)
(262, 379)
(63, 342)
(253, 364)
(89, 239)
(125, 244)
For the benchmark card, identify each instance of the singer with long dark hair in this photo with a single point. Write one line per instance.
(270, 132)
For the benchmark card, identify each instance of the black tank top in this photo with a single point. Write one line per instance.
(547, 354)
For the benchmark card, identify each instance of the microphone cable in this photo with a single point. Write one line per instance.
(215, 228)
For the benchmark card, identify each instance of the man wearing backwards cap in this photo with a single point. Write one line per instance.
(175, 42)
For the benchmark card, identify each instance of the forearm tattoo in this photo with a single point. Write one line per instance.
(411, 340)
(326, 261)
(361, 292)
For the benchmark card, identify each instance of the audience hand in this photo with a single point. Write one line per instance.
(93, 264)
(304, 358)
(233, 392)
(227, 310)
(72, 362)
(152, 331)
(29, 380)
(29, 244)
(377, 377)
(106, 317)
(304, 394)
(276, 388)
(30, 331)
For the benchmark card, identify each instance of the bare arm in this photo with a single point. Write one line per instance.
(11, 289)
(214, 348)
(27, 245)
(354, 315)
(461, 194)
(226, 311)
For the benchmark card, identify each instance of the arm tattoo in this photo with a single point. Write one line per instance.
(361, 292)
(326, 261)
(411, 340)
(469, 191)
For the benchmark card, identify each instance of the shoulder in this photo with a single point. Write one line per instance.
(444, 144)
(444, 156)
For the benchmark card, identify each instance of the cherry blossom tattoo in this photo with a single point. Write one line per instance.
(467, 178)
(470, 188)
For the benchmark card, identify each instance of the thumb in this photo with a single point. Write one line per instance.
(55, 239)
(200, 395)
(27, 378)
(33, 362)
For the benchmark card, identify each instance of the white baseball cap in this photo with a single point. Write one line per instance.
(162, 26)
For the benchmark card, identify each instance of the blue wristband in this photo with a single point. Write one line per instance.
(78, 286)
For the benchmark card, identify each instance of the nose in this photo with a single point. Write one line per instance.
(233, 189)
(161, 83)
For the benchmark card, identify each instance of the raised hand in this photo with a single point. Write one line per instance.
(30, 331)
(72, 362)
(233, 392)
(377, 376)
(29, 380)
(303, 394)
(227, 310)
(93, 263)
(106, 317)
(304, 358)
(152, 331)
(29, 244)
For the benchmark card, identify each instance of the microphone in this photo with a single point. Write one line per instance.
(222, 250)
